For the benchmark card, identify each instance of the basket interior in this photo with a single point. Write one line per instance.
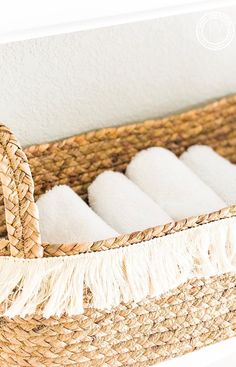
(76, 161)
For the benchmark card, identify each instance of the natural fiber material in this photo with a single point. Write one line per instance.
(20, 210)
(198, 312)
(129, 274)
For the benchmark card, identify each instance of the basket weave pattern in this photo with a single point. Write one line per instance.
(197, 313)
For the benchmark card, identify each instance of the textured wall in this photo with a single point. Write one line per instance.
(62, 85)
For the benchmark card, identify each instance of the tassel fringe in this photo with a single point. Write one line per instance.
(130, 274)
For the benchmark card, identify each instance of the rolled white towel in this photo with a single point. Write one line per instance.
(123, 205)
(65, 218)
(171, 184)
(213, 169)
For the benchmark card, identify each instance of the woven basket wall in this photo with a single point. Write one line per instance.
(198, 313)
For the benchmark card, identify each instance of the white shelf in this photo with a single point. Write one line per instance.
(20, 20)
(216, 355)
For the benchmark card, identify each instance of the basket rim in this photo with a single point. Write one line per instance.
(129, 239)
(138, 237)
(111, 133)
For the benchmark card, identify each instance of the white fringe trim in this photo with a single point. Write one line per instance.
(126, 274)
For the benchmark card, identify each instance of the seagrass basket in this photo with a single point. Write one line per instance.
(194, 313)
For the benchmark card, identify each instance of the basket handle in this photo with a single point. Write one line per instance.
(21, 212)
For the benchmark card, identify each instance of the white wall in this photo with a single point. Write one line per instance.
(62, 85)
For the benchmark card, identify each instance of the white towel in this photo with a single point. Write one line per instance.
(123, 205)
(214, 170)
(171, 184)
(65, 218)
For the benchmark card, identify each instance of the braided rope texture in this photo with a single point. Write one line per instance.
(198, 313)
(21, 213)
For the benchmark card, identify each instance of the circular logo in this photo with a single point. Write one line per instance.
(215, 30)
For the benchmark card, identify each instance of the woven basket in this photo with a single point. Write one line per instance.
(198, 312)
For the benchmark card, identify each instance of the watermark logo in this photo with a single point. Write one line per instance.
(215, 30)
